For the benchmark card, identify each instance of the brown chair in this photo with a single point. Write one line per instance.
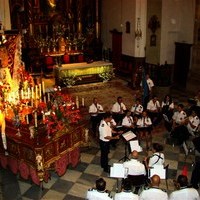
(137, 181)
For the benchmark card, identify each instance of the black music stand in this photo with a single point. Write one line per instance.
(127, 137)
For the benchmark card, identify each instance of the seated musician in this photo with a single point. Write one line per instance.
(137, 109)
(118, 110)
(94, 109)
(157, 157)
(144, 127)
(128, 122)
(154, 110)
(179, 130)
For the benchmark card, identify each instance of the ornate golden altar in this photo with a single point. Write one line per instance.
(35, 158)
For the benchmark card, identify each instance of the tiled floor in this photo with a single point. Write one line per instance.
(76, 181)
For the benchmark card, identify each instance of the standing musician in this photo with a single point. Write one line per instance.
(105, 136)
(94, 111)
(118, 110)
(144, 127)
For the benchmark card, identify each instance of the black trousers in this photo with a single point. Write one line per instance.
(105, 147)
(95, 120)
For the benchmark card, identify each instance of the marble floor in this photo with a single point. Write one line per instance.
(76, 181)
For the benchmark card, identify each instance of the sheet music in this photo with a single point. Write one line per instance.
(135, 146)
(158, 170)
(117, 171)
(129, 135)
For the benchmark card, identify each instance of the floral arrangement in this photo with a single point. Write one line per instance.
(59, 112)
(69, 80)
(107, 75)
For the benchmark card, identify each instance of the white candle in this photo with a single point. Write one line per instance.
(35, 119)
(32, 93)
(48, 95)
(28, 93)
(22, 94)
(83, 102)
(36, 92)
(27, 119)
(77, 102)
(43, 87)
(45, 100)
(40, 90)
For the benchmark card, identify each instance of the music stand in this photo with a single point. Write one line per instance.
(127, 137)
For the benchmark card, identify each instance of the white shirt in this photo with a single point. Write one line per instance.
(179, 117)
(156, 159)
(153, 194)
(104, 130)
(171, 105)
(118, 107)
(144, 122)
(127, 121)
(126, 195)
(195, 122)
(150, 84)
(94, 109)
(93, 194)
(135, 167)
(137, 109)
(185, 194)
(151, 106)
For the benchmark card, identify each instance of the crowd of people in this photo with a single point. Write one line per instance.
(146, 113)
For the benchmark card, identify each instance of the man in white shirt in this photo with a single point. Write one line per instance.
(100, 192)
(135, 168)
(126, 193)
(154, 192)
(94, 109)
(184, 192)
(118, 110)
(137, 109)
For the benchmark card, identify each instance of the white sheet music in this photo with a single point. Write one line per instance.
(135, 146)
(158, 170)
(118, 171)
(129, 135)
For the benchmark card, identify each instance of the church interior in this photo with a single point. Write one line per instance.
(56, 56)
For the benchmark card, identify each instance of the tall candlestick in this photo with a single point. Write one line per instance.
(28, 93)
(22, 94)
(43, 88)
(40, 90)
(27, 119)
(48, 95)
(77, 102)
(36, 92)
(45, 100)
(35, 119)
(83, 102)
(32, 93)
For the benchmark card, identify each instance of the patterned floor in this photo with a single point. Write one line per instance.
(74, 184)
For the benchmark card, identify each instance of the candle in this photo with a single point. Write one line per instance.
(77, 102)
(35, 119)
(27, 119)
(43, 88)
(83, 102)
(32, 93)
(40, 90)
(36, 92)
(45, 100)
(22, 94)
(48, 96)
(28, 93)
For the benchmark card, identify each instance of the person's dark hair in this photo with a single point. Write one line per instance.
(100, 184)
(158, 147)
(138, 99)
(118, 98)
(170, 98)
(181, 105)
(182, 180)
(126, 184)
(107, 115)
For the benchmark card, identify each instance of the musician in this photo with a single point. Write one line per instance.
(154, 110)
(183, 191)
(105, 136)
(144, 127)
(179, 130)
(154, 192)
(94, 111)
(128, 122)
(157, 157)
(99, 192)
(118, 110)
(137, 109)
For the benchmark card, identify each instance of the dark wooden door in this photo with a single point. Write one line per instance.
(181, 64)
